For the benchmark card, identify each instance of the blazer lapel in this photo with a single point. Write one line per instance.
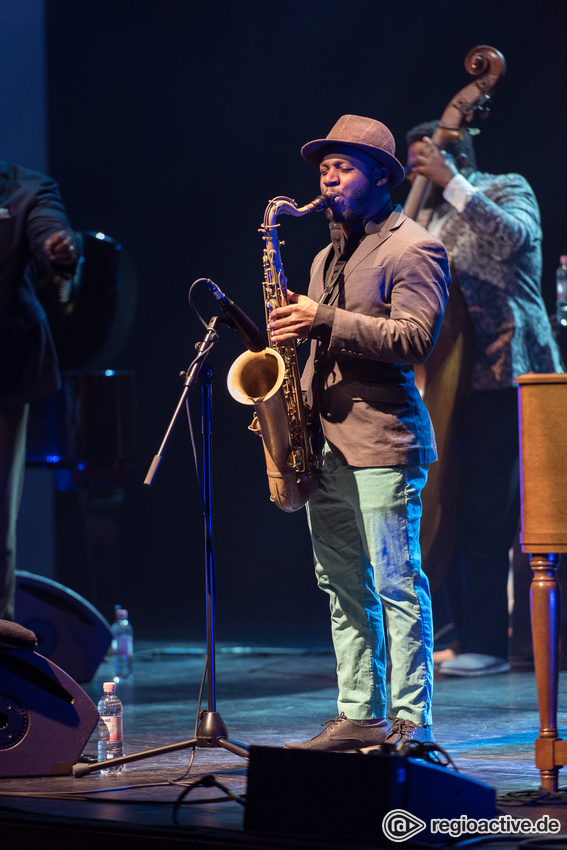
(369, 244)
(373, 241)
(318, 274)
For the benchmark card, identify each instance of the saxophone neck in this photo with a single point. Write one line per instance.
(287, 206)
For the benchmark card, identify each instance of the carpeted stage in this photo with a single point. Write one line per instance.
(267, 696)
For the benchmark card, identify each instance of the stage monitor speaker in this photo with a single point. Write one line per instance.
(45, 717)
(69, 630)
(306, 792)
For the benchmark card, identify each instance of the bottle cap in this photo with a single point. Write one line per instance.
(109, 687)
(563, 259)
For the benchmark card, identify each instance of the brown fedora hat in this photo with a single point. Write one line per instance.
(366, 135)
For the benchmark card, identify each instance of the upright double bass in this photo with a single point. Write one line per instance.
(444, 378)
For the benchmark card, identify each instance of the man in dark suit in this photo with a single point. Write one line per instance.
(34, 233)
(374, 309)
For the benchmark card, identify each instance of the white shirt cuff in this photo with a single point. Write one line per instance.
(458, 192)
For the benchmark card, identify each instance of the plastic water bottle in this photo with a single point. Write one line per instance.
(561, 292)
(110, 727)
(122, 646)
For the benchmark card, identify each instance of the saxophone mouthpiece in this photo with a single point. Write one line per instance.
(323, 202)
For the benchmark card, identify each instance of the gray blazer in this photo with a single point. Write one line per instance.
(359, 377)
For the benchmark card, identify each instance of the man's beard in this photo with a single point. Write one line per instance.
(352, 208)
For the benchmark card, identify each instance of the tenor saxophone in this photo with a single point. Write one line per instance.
(270, 380)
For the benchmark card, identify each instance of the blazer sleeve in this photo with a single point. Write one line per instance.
(504, 216)
(46, 215)
(408, 294)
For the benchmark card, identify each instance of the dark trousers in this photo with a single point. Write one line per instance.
(489, 508)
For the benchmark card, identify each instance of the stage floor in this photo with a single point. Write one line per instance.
(265, 696)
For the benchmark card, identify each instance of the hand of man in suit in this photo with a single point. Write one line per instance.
(60, 248)
(293, 321)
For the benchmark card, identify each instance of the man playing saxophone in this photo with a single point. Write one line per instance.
(373, 310)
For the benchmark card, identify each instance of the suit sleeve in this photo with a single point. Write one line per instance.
(413, 294)
(46, 215)
(505, 221)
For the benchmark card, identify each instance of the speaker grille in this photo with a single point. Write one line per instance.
(14, 721)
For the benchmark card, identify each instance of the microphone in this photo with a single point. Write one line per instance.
(237, 319)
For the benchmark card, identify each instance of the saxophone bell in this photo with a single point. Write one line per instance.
(258, 378)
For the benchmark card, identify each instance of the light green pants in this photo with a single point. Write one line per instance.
(364, 527)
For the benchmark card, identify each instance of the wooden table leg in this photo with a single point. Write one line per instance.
(545, 605)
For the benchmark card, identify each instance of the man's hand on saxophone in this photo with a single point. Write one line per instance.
(295, 320)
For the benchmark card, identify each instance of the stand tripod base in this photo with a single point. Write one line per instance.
(211, 732)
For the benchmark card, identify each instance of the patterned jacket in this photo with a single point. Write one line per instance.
(495, 248)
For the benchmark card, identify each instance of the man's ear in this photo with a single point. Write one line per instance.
(381, 174)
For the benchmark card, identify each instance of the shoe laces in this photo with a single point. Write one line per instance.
(401, 726)
(342, 716)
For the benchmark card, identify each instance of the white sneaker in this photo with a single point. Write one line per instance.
(441, 655)
(473, 664)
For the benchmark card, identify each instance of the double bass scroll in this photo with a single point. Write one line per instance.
(488, 65)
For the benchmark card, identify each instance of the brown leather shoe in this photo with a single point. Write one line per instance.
(406, 730)
(342, 735)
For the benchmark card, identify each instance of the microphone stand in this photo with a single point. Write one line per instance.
(211, 730)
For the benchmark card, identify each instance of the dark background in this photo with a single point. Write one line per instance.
(170, 126)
